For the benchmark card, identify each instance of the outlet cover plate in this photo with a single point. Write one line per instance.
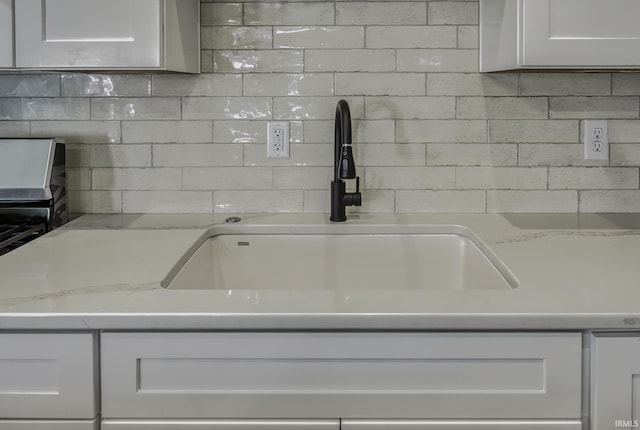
(596, 140)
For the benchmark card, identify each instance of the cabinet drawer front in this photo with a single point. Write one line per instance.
(49, 425)
(341, 375)
(221, 424)
(460, 425)
(48, 376)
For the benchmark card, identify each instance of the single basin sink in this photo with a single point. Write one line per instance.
(422, 257)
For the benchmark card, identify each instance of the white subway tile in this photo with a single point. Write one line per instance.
(390, 154)
(149, 108)
(554, 154)
(534, 131)
(593, 178)
(514, 178)
(78, 131)
(532, 201)
(44, 109)
(309, 108)
(318, 37)
(196, 155)
(440, 201)
(471, 154)
(136, 179)
(468, 37)
(108, 155)
(78, 178)
(625, 84)
(437, 60)
(257, 201)
(234, 37)
(221, 13)
(197, 85)
(99, 85)
(453, 13)
(503, 107)
(624, 131)
(472, 84)
(380, 84)
(610, 201)
(227, 178)
(373, 131)
(240, 132)
(350, 60)
(625, 154)
(302, 178)
(167, 132)
(281, 84)
(276, 60)
(410, 178)
(14, 128)
(594, 107)
(381, 13)
(565, 84)
(226, 108)
(441, 131)
(299, 13)
(411, 36)
(306, 154)
(24, 85)
(98, 202)
(206, 61)
(167, 202)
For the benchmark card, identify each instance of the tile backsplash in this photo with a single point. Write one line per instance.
(430, 132)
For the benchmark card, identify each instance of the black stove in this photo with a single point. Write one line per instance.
(33, 198)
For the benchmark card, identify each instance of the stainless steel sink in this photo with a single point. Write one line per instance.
(438, 257)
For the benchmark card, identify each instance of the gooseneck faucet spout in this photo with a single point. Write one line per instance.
(344, 166)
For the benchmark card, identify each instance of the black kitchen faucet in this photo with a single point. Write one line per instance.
(344, 166)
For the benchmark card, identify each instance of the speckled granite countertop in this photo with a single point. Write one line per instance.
(576, 272)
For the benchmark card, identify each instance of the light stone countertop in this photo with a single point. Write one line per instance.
(576, 272)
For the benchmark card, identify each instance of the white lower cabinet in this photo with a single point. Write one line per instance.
(529, 379)
(48, 381)
(615, 381)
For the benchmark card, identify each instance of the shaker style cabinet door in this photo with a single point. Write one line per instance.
(615, 381)
(580, 33)
(88, 33)
(6, 33)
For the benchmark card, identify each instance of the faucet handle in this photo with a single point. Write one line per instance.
(357, 184)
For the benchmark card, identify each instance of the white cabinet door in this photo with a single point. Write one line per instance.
(6, 33)
(461, 425)
(583, 33)
(48, 376)
(341, 375)
(615, 381)
(88, 33)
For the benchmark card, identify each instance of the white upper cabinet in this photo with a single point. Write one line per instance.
(568, 34)
(118, 34)
(6, 33)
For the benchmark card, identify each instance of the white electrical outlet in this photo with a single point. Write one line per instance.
(278, 140)
(596, 140)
